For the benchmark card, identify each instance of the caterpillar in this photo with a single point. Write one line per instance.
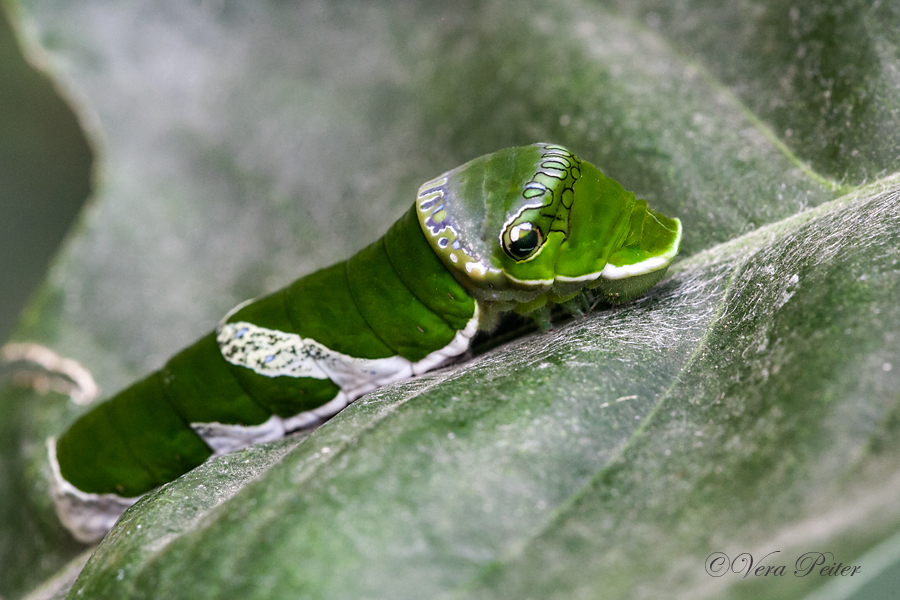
(518, 229)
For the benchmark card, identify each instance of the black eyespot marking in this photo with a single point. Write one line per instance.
(522, 241)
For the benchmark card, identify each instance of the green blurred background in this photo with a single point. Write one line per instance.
(45, 166)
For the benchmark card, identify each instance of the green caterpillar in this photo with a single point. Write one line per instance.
(512, 230)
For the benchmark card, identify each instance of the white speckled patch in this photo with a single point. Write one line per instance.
(274, 353)
(269, 352)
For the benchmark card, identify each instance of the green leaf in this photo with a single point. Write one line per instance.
(749, 403)
(823, 74)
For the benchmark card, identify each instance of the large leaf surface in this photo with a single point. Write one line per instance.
(747, 404)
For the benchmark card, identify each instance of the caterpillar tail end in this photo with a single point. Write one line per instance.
(88, 517)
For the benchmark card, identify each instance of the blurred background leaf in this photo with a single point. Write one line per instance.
(747, 404)
(45, 166)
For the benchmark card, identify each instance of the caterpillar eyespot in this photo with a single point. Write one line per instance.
(400, 307)
(524, 241)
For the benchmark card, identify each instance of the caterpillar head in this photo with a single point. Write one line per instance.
(534, 223)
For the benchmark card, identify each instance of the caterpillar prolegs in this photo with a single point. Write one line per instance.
(517, 229)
